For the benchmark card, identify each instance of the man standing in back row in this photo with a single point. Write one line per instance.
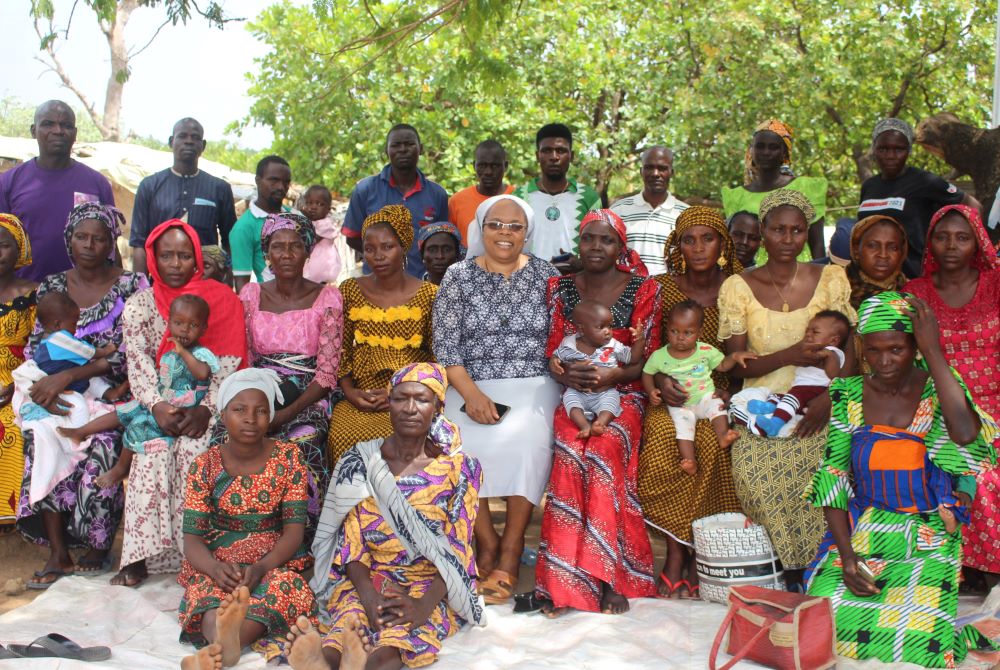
(399, 183)
(650, 216)
(490, 164)
(182, 191)
(273, 179)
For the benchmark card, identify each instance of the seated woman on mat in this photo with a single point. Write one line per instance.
(891, 539)
(394, 543)
(244, 520)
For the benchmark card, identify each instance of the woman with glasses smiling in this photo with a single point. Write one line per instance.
(491, 322)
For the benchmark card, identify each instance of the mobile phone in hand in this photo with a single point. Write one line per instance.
(866, 572)
(501, 410)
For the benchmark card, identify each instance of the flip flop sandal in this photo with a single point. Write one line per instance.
(693, 590)
(86, 568)
(497, 588)
(6, 655)
(41, 586)
(55, 645)
(526, 603)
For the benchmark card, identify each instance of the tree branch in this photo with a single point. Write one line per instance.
(133, 54)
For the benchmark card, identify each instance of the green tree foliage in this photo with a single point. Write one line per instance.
(623, 74)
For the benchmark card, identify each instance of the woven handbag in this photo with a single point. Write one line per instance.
(777, 629)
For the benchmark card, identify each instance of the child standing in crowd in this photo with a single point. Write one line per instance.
(691, 362)
(828, 329)
(185, 374)
(593, 411)
(324, 263)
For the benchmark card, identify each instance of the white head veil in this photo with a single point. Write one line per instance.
(475, 231)
(264, 380)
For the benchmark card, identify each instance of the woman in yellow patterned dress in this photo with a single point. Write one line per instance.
(387, 325)
(17, 317)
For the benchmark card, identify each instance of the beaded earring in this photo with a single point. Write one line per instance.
(722, 261)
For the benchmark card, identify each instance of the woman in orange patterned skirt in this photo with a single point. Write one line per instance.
(244, 520)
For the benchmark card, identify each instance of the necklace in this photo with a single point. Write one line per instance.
(565, 188)
(784, 303)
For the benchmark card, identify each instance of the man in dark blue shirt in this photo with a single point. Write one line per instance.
(182, 191)
(399, 183)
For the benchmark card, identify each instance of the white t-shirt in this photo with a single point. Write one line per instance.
(814, 376)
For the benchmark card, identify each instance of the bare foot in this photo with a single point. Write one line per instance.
(727, 440)
(111, 478)
(74, 434)
(690, 466)
(356, 646)
(597, 428)
(950, 522)
(613, 603)
(208, 658)
(131, 575)
(307, 647)
(231, 615)
(584, 433)
(486, 558)
(552, 612)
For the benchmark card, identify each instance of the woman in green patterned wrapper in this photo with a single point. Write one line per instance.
(891, 557)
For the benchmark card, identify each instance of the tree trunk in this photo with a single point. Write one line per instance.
(115, 34)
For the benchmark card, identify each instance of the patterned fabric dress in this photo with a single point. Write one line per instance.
(376, 343)
(241, 519)
(771, 473)
(592, 526)
(301, 345)
(17, 318)
(895, 528)
(446, 493)
(93, 515)
(671, 498)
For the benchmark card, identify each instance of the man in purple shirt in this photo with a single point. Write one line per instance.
(42, 191)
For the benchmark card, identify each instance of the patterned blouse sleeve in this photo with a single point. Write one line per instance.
(830, 486)
(128, 284)
(648, 314)
(734, 302)
(330, 338)
(956, 459)
(462, 511)
(559, 325)
(137, 320)
(346, 367)
(227, 366)
(250, 297)
(295, 498)
(198, 498)
(449, 317)
(837, 291)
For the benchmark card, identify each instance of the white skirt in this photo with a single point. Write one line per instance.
(516, 454)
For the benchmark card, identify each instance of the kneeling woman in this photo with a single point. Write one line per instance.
(899, 431)
(396, 533)
(244, 520)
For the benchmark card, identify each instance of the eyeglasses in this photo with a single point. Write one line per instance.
(500, 225)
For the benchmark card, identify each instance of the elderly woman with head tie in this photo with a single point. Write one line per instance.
(899, 437)
(491, 323)
(17, 318)
(961, 283)
(440, 246)
(77, 510)
(154, 508)
(294, 327)
(394, 559)
(387, 325)
(700, 257)
(766, 310)
(594, 552)
(769, 167)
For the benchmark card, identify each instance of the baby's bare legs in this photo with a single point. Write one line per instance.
(601, 422)
(580, 420)
(689, 462)
(725, 434)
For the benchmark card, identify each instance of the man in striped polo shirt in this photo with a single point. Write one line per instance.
(650, 216)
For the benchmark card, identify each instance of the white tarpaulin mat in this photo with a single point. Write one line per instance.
(140, 626)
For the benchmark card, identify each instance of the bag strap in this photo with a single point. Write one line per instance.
(742, 652)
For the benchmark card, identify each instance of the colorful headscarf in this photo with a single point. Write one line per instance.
(986, 259)
(396, 217)
(441, 227)
(288, 221)
(475, 233)
(900, 126)
(786, 196)
(785, 132)
(226, 332)
(885, 311)
(701, 216)
(217, 254)
(443, 433)
(13, 225)
(264, 380)
(628, 260)
(863, 286)
(110, 216)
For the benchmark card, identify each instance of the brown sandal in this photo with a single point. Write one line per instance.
(497, 588)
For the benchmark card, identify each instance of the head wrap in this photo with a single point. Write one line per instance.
(448, 227)
(217, 254)
(288, 221)
(396, 217)
(786, 197)
(985, 258)
(785, 132)
(628, 260)
(885, 311)
(261, 379)
(443, 433)
(475, 240)
(863, 286)
(701, 216)
(13, 225)
(226, 331)
(898, 125)
(109, 216)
